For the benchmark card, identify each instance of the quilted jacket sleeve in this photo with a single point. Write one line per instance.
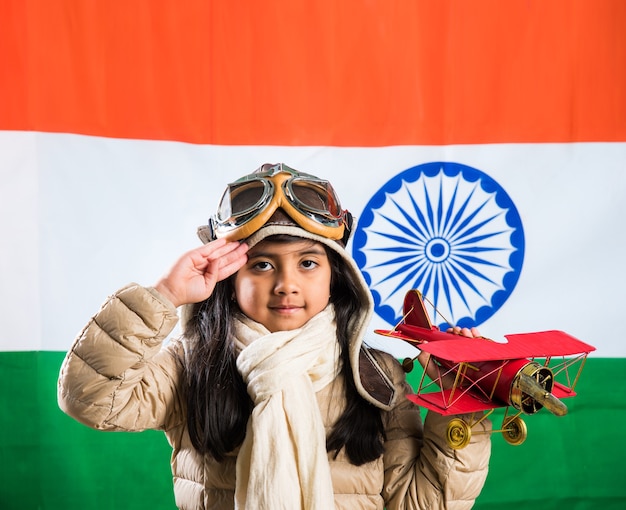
(117, 375)
(421, 470)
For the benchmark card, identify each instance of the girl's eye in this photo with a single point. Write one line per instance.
(309, 264)
(262, 265)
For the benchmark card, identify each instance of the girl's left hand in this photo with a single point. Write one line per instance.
(431, 370)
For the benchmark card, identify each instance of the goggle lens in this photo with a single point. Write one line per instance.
(317, 197)
(243, 199)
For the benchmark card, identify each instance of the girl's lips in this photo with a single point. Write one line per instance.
(285, 308)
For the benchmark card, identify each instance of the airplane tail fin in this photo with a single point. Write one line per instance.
(415, 313)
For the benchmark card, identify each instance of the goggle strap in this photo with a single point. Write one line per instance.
(206, 233)
(347, 231)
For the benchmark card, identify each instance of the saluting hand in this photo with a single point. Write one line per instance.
(193, 277)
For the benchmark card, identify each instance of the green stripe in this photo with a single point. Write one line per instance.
(50, 461)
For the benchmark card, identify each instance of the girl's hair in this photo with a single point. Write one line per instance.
(218, 405)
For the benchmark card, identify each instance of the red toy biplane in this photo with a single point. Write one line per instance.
(474, 376)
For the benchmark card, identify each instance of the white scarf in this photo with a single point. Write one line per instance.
(282, 463)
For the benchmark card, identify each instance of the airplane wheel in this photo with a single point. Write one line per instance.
(514, 431)
(458, 434)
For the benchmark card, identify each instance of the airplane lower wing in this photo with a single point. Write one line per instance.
(463, 403)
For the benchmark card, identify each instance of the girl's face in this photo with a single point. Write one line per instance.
(283, 285)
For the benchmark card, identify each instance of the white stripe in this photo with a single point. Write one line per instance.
(20, 283)
(85, 215)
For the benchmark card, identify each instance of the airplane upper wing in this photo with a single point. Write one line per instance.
(523, 345)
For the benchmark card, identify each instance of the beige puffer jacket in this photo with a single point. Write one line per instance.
(119, 376)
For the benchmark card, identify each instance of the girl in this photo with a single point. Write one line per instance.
(270, 400)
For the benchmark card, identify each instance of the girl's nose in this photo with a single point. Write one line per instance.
(286, 281)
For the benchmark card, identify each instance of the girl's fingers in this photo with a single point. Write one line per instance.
(231, 268)
(231, 262)
(213, 256)
(215, 250)
(457, 330)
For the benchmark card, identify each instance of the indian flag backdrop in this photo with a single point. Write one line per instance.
(481, 144)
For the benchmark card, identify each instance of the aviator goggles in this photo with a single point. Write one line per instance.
(249, 203)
